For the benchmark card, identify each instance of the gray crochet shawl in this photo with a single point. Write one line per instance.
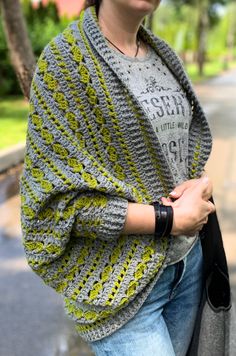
(90, 150)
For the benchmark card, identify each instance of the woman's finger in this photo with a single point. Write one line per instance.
(211, 207)
(166, 201)
(180, 189)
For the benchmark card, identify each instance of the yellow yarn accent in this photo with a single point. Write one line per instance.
(91, 93)
(81, 139)
(78, 313)
(37, 173)
(47, 136)
(147, 255)
(105, 313)
(99, 116)
(106, 273)
(137, 194)
(34, 246)
(77, 167)
(77, 55)
(29, 212)
(60, 150)
(90, 180)
(84, 74)
(67, 33)
(29, 190)
(61, 100)
(82, 283)
(53, 249)
(61, 287)
(50, 81)
(37, 121)
(28, 162)
(68, 212)
(46, 185)
(122, 273)
(71, 275)
(102, 316)
(131, 289)
(42, 65)
(115, 254)
(195, 163)
(90, 315)
(83, 202)
(106, 137)
(140, 270)
(100, 201)
(46, 213)
(112, 153)
(73, 122)
(96, 288)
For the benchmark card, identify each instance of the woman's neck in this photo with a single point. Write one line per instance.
(120, 27)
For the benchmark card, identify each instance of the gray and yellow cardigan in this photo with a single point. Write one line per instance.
(90, 150)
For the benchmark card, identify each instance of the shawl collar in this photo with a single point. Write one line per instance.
(200, 140)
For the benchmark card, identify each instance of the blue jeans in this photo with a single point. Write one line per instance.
(164, 324)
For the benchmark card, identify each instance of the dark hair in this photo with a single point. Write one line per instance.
(93, 2)
(97, 5)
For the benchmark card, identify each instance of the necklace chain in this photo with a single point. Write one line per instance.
(137, 44)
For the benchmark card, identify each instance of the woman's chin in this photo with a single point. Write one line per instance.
(146, 6)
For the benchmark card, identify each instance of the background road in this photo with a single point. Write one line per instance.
(33, 322)
(218, 97)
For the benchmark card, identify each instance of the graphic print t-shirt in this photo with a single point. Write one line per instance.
(169, 112)
(166, 104)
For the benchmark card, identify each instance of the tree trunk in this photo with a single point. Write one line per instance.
(19, 45)
(202, 29)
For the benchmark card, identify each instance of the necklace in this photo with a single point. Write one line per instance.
(137, 44)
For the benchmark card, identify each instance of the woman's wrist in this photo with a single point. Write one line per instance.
(140, 219)
(154, 219)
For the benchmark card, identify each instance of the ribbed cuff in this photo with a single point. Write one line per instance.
(113, 219)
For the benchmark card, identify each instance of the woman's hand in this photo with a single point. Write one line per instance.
(180, 189)
(192, 207)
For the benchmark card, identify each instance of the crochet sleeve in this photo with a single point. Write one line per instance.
(66, 190)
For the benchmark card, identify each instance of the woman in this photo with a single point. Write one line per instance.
(114, 130)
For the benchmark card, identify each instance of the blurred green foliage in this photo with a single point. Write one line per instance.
(13, 120)
(176, 21)
(211, 5)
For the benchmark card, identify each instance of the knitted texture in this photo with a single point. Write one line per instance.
(90, 150)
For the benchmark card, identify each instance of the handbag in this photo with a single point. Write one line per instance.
(215, 327)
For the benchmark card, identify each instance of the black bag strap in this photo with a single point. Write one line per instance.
(216, 277)
(212, 245)
(215, 265)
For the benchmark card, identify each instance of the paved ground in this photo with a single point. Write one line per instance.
(32, 318)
